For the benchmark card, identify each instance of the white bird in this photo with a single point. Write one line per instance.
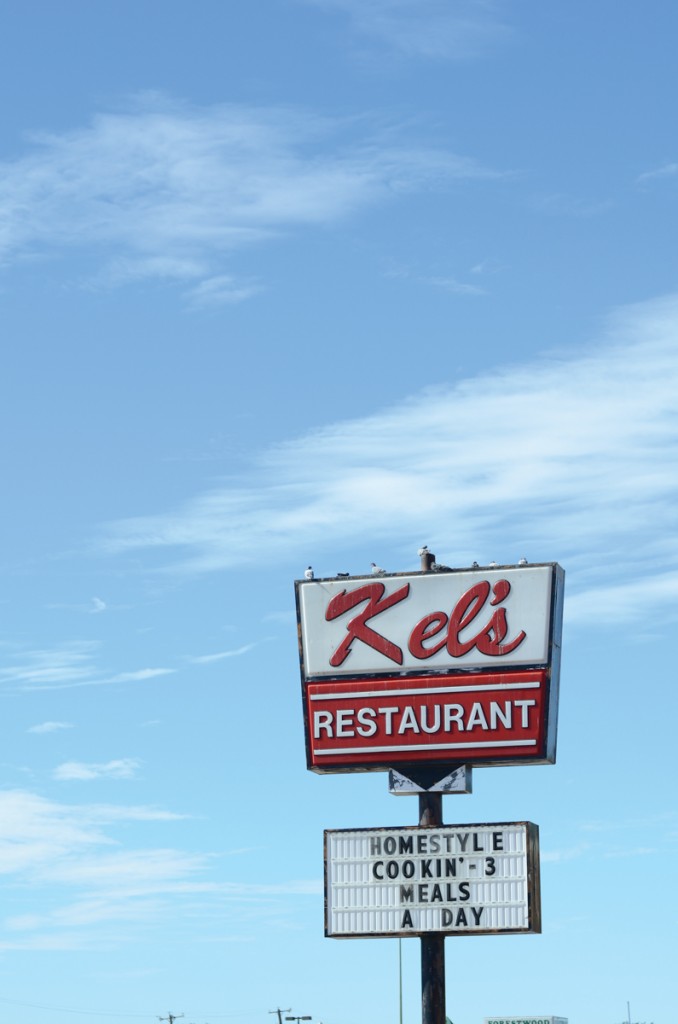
(376, 570)
(493, 565)
(423, 550)
(308, 573)
(523, 561)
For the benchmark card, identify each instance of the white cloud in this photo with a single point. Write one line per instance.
(97, 889)
(66, 666)
(138, 675)
(170, 192)
(36, 833)
(43, 843)
(669, 170)
(438, 29)
(448, 283)
(207, 659)
(456, 287)
(123, 768)
(46, 727)
(565, 854)
(221, 290)
(574, 457)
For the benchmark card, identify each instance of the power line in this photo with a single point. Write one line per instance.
(140, 1014)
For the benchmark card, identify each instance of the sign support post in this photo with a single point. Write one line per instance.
(432, 946)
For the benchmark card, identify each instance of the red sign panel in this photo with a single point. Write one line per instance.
(479, 717)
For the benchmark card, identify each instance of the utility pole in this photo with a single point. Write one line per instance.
(280, 1013)
(171, 1017)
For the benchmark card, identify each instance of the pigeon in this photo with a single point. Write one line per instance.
(308, 573)
(376, 570)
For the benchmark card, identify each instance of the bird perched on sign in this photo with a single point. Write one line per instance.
(343, 575)
(377, 570)
(308, 573)
(423, 550)
(522, 561)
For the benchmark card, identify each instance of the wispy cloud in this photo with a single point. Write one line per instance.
(456, 287)
(601, 839)
(46, 727)
(95, 606)
(222, 290)
(67, 666)
(565, 854)
(123, 768)
(669, 170)
(104, 889)
(434, 29)
(650, 824)
(561, 205)
(445, 282)
(171, 192)
(574, 456)
(208, 659)
(43, 842)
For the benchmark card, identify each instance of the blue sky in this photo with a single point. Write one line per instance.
(319, 281)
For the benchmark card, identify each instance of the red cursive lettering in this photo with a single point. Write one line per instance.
(488, 640)
(464, 612)
(429, 627)
(357, 628)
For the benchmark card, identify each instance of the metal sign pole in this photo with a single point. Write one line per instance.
(432, 946)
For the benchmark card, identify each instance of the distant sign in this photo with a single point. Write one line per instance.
(452, 879)
(525, 1020)
(458, 666)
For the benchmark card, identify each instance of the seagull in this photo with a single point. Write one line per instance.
(423, 550)
(523, 561)
(308, 573)
(474, 565)
(493, 565)
(376, 570)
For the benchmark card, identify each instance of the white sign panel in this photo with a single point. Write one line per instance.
(452, 879)
(462, 620)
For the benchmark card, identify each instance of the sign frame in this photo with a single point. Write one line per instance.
(317, 679)
(419, 838)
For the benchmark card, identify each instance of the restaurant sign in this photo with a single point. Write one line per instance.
(431, 668)
(451, 879)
